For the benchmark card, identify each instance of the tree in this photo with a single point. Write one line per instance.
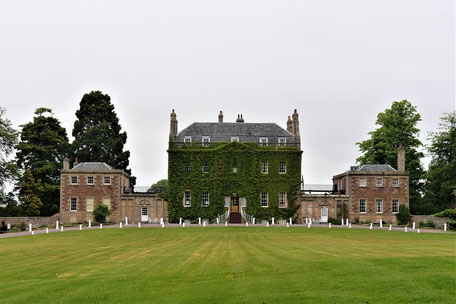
(397, 126)
(43, 147)
(97, 132)
(403, 216)
(161, 188)
(101, 212)
(440, 186)
(8, 140)
(29, 193)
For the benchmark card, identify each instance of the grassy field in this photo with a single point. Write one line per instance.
(230, 265)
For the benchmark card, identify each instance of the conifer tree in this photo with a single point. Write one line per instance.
(29, 194)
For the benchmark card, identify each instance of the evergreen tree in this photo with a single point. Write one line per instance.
(97, 132)
(8, 140)
(43, 146)
(397, 126)
(29, 194)
(440, 187)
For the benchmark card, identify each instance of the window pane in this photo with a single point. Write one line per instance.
(89, 204)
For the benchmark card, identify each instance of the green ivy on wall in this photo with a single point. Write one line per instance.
(221, 181)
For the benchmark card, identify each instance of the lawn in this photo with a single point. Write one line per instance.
(229, 265)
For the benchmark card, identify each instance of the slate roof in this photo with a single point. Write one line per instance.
(92, 166)
(373, 168)
(247, 132)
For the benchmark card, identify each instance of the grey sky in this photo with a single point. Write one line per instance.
(339, 63)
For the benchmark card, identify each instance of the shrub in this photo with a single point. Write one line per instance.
(334, 221)
(3, 227)
(22, 226)
(422, 224)
(451, 214)
(430, 224)
(403, 217)
(101, 212)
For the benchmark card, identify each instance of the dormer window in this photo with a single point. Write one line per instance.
(263, 141)
(234, 138)
(206, 140)
(188, 139)
(282, 141)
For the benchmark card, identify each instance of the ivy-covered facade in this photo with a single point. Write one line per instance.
(218, 167)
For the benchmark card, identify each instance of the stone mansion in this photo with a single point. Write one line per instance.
(236, 169)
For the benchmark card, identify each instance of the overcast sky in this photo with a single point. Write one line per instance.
(339, 63)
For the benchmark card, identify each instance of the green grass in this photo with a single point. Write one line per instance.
(229, 265)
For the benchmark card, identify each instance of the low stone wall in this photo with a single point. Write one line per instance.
(438, 221)
(36, 221)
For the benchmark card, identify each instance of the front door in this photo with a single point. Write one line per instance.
(324, 215)
(144, 214)
(235, 204)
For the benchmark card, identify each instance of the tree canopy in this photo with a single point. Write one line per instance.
(30, 191)
(397, 126)
(8, 140)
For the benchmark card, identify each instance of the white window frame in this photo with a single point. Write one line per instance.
(93, 180)
(75, 204)
(235, 170)
(282, 169)
(264, 167)
(282, 141)
(362, 200)
(71, 180)
(205, 167)
(263, 141)
(264, 199)
(187, 167)
(363, 182)
(393, 184)
(104, 180)
(187, 198)
(87, 204)
(377, 184)
(206, 141)
(378, 202)
(282, 199)
(234, 138)
(107, 202)
(187, 139)
(392, 205)
(205, 198)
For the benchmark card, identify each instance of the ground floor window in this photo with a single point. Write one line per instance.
(379, 206)
(362, 206)
(107, 202)
(395, 207)
(89, 204)
(187, 198)
(282, 199)
(205, 196)
(264, 199)
(73, 204)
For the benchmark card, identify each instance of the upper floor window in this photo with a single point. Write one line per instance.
(73, 204)
(395, 182)
(263, 141)
(107, 180)
(282, 168)
(187, 198)
(264, 167)
(234, 138)
(187, 139)
(362, 182)
(74, 180)
(206, 140)
(205, 198)
(362, 205)
(379, 182)
(282, 199)
(379, 206)
(205, 167)
(282, 141)
(187, 167)
(264, 199)
(395, 206)
(90, 180)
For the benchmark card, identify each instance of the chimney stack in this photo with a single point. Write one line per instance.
(173, 125)
(220, 116)
(289, 125)
(401, 159)
(66, 164)
(240, 119)
(75, 162)
(295, 124)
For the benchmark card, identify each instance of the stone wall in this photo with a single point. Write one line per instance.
(438, 221)
(36, 221)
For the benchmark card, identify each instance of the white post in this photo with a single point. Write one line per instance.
(163, 225)
(218, 220)
(308, 225)
(8, 226)
(30, 227)
(254, 221)
(246, 224)
(288, 224)
(204, 224)
(90, 223)
(226, 223)
(120, 225)
(390, 227)
(56, 225)
(405, 229)
(101, 226)
(267, 224)
(291, 221)
(180, 221)
(139, 224)
(413, 225)
(33, 232)
(273, 221)
(47, 230)
(126, 220)
(445, 227)
(307, 220)
(370, 226)
(161, 221)
(199, 221)
(349, 225)
(342, 222)
(329, 225)
(61, 228)
(418, 231)
(346, 222)
(183, 224)
(80, 227)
